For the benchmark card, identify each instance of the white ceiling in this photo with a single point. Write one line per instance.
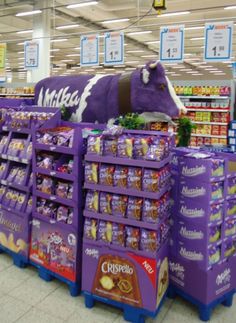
(138, 50)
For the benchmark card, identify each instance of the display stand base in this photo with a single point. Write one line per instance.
(48, 275)
(205, 310)
(18, 260)
(131, 313)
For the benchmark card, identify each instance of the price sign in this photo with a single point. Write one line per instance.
(89, 50)
(114, 48)
(3, 55)
(31, 54)
(172, 44)
(234, 70)
(218, 41)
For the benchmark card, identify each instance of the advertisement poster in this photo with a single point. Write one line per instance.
(172, 44)
(114, 48)
(89, 50)
(31, 54)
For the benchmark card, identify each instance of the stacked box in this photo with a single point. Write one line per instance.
(232, 135)
(203, 226)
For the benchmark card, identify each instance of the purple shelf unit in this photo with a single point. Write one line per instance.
(142, 264)
(16, 223)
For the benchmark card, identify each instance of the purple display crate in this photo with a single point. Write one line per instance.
(15, 231)
(124, 276)
(209, 285)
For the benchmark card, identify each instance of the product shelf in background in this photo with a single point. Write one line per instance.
(16, 159)
(209, 136)
(54, 198)
(210, 123)
(56, 174)
(207, 110)
(203, 97)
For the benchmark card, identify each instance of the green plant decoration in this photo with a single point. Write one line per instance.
(65, 114)
(131, 121)
(185, 128)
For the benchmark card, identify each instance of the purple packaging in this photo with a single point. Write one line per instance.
(141, 145)
(229, 248)
(151, 211)
(13, 200)
(125, 146)
(91, 172)
(150, 241)
(106, 174)
(134, 178)
(20, 176)
(20, 201)
(121, 176)
(151, 180)
(109, 146)
(62, 190)
(132, 238)
(29, 205)
(94, 145)
(105, 231)
(92, 201)
(12, 174)
(231, 186)
(230, 227)
(157, 149)
(3, 142)
(201, 166)
(118, 234)
(90, 228)
(3, 167)
(119, 205)
(134, 208)
(40, 205)
(165, 230)
(105, 203)
(230, 207)
(201, 192)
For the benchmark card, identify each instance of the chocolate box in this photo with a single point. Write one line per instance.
(14, 232)
(209, 285)
(123, 276)
(54, 248)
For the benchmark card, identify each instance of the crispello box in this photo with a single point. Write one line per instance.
(209, 285)
(120, 275)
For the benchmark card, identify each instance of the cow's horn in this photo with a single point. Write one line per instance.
(153, 65)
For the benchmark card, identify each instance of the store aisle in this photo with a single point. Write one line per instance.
(25, 298)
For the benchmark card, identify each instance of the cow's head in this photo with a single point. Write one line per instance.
(153, 92)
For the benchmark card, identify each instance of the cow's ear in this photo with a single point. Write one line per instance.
(153, 65)
(145, 75)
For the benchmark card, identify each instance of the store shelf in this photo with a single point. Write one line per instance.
(16, 159)
(127, 161)
(55, 174)
(208, 110)
(57, 149)
(44, 218)
(16, 186)
(127, 191)
(55, 198)
(208, 136)
(211, 123)
(16, 94)
(210, 97)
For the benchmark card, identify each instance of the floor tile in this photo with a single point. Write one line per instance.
(12, 309)
(10, 281)
(34, 290)
(37, 316)
(5, 261)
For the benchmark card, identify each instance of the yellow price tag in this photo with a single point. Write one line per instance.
(158, 4)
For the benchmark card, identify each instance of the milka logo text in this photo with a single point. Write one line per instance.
(191, 234)
(194, 171)
(193, 192)
(57, 99)
(94, 253)
(192, 213)
(177, 269)
(224, 278)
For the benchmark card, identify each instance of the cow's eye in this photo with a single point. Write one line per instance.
(162, 86)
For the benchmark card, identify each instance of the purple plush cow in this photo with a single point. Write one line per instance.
(100, 98)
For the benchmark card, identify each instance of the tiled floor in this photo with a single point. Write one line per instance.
(25, 298)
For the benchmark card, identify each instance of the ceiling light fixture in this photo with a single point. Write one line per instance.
(54, 50)
(149, 56)
(72, 55)
(82, 4)
(194, 28)
(115, 21)
(197, 38)
(67, 27)
(139, 32)
(28, 13)
(230, 7)
(180, 13)
(19, 44)
(58, 40)
(134, 51)
(24, 31)
(132, 62)
(153, 42)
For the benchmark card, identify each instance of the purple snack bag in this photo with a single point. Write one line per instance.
(92, 201)
(150, 241)
(216, 212)
(230, 227)
(62, 214)
(90, 228)
(231, 207)
(14, 198)
(106, 173)
(156, 150)
(230, 248)
(118, 234)
(40, 205)
(119, 205)
(125, 146)
(132, 238)
(29, 205)
(214, 254)
(141, 146)
(151, 180)
(20, 176)
(3, 167)
(105, 231)
(134, 178)
(62, 189)
(232, 186)
(134, 208)
(91, 173)
(121, 176)
(109, 146)
(20, 201)
(105, 203)
(12, 174)
(94, 145)
(215, 233)
(151, 211)
(50, 210)
(2, 191)
(217, 190)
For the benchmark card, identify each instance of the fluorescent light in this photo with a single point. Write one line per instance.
(67, 26)
(77, 48)
(82, 4)
(52, 56)
(180, 13)
(54, 50)
(115, 21)
(131, 62)
(21, 58)
(178, 67)
(20, 44)
(130, 68)
(58, 40)
(230, 7)
(140, 32)
(153, 42)
(197, 38)
(194, 28)
(147, 56)
(135, 51)
(186, 69)
(24, 31)
(28, 13)
(20, 52)
(72, 55)
(188, 54)
(67, 60)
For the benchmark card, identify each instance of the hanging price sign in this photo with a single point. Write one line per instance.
(172, 44)
(2, 55)
(234, 70)
(31, 54)
(114, 48)
(218, 41)
(89, 50)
